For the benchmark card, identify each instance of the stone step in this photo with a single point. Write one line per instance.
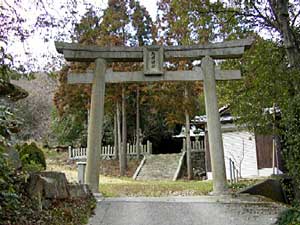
(159, 167)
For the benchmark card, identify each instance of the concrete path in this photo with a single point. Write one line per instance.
(185, 211)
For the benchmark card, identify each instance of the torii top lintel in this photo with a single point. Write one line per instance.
(222, 50)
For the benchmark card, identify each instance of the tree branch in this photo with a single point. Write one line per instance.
(295, 18)
(265, 18)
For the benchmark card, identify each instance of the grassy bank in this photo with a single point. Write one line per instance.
(120, 187)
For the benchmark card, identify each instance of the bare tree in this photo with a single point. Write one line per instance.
(123, 155)
(138, 122)
(188, 139)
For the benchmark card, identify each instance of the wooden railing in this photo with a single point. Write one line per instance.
(195, 145)
(109, 151)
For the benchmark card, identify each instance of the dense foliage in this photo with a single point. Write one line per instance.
(9, 190)
(69, 129)
(289, 217)
(9, 124)
(291, 134)
(265, 83)
(17, 207)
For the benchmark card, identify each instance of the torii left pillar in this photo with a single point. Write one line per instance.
(95, 126)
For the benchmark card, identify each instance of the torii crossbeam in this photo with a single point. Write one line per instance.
(153, 58)
(138, 76)
(82, 53)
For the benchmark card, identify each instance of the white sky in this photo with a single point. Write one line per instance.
(151, 7)
(36, 48)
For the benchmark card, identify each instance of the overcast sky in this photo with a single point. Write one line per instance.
(36, 48)
(151, 6)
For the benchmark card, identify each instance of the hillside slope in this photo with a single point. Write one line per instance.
(36, 108)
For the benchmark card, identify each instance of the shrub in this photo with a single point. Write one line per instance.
(17, 206)
(70, 128)
(289, 217)
(32, 157)
(9, 198)
(291, 144)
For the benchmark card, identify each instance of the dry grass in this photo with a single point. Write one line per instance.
(71, 173)
(58, 161)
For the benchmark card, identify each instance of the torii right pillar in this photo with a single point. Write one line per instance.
(214, 127)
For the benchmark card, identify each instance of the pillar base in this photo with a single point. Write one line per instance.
(219, 193)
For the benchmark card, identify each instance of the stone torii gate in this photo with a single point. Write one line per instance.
(153, 58)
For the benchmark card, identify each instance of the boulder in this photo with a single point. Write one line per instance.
(48, 185)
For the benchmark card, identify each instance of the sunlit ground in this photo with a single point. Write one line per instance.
(125, 186)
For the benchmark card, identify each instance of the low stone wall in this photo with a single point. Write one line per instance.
(198, 164)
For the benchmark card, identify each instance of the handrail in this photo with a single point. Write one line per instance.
(234, 172)
(136, 173)
(176, 175)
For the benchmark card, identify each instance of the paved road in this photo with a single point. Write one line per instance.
(184, 211)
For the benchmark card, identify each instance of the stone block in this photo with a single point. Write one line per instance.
(48, 185)
(79, 191)
(81, 166)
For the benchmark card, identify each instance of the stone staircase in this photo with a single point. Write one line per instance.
(159, 167)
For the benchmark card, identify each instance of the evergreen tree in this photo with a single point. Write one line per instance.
(114, 28)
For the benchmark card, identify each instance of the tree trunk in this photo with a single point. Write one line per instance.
(188, 139)
(138, 122)
(280, 10)
(124, 135)
(121, 166)
(87, 127)
(116, 136)
(291, 41)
